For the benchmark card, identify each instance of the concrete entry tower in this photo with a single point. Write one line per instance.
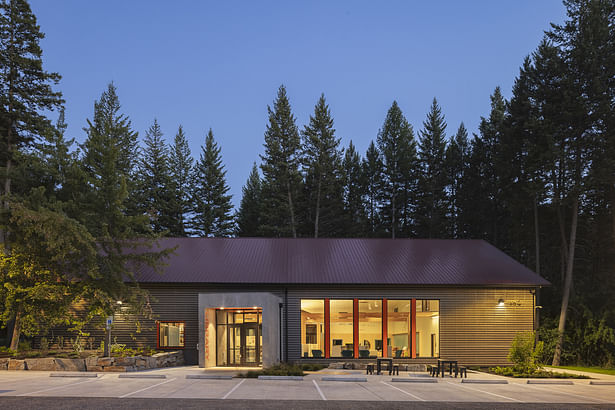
(267, 303)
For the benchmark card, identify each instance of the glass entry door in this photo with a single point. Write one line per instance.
(243, 340)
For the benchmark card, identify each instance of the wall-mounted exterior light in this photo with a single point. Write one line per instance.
(501, 303)
(119, 302)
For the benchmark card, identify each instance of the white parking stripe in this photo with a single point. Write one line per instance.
(552, 389)
(58, 387)
(233, 389)
(319, 391)
(486, 392)
(146, 388)
(403, 391)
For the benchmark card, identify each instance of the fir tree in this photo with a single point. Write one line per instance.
(249, 214)
(372, 169)
(322, 161)
(398, 150)
(156, 188)
(456, 166)
(280, 166)
(182, 164)
(431, 212)
(212, 205)
(353, 193)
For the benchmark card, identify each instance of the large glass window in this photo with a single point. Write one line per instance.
(312, 328)
(341, 328)
(170, 334)
(370, 328)
(427, 328)
(398, 328)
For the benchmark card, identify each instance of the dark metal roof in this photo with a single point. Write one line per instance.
(339, 261)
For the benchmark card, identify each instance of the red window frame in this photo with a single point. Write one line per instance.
(158, 322)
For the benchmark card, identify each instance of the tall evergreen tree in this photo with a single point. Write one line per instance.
(398, 149)
(372, 169)
(456, 166)
(156, 188)
(181, 164)
(249, 214)
(431, 212)
(212, 204)
(280, 166)
(322, 162)
(353, 193)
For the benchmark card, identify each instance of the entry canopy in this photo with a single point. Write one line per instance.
(339, 261)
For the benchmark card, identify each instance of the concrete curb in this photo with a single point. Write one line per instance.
(484, 381)
(280, 377)
(568, 382)
(602, 383)
(142, 376)
(344, 379)
(414, 380)
(84, 374)
(209, 376)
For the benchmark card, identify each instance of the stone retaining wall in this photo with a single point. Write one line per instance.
(96, 364)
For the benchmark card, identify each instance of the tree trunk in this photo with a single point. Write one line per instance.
(317, 207)
(567, 283)
(537, 234)
(292, 211)
(16, 330)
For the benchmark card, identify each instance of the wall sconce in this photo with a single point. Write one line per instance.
(501, 302)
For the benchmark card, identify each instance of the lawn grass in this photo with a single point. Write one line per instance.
(593, 369)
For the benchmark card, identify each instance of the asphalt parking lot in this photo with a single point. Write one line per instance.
(175, 385)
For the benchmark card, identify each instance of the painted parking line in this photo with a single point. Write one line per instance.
(233, 389)
(59, 387)
(484, 391)
(146, 388)
(552, 389)
(403, 391)
(319, 391)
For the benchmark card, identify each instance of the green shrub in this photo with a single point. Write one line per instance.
(538, 374)
(7, 350)
(312, 367)
(525, 353)
(32, 353)
(24, 346)
(277, 370)
(44, 344)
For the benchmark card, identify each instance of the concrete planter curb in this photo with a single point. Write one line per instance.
(344, 379)
(263, 377)
(413, 380)
(484, 381)
(209, 376)
(568, 382)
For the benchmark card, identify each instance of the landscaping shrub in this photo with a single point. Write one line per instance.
(44, 344)
(525, 353)
(24, 346)
(312, 367)
(277, 370)
(537, 374)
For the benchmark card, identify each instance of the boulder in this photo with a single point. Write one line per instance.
(15, 364)
(104, 361)
(91, 362)
(46, 364)
(151, 362)
(124, 361)
(4, 363)
(72, 365)
(95, 369)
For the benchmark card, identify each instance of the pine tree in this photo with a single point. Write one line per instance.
(212, 205)
(25, 86)
(249, 214)
(156, 189)
(354, 186)
(280, 166)
(456, 166)
(322, 162)
(372, 169)
(182, 164)
(431, 212)
(398, 150)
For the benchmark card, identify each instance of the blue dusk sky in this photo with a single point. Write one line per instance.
(218, 64)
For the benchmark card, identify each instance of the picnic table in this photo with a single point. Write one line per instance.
(442, 363)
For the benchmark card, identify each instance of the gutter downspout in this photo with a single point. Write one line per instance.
(286, 325)
(281, 305)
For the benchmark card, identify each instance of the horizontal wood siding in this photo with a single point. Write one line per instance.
(473, 329)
